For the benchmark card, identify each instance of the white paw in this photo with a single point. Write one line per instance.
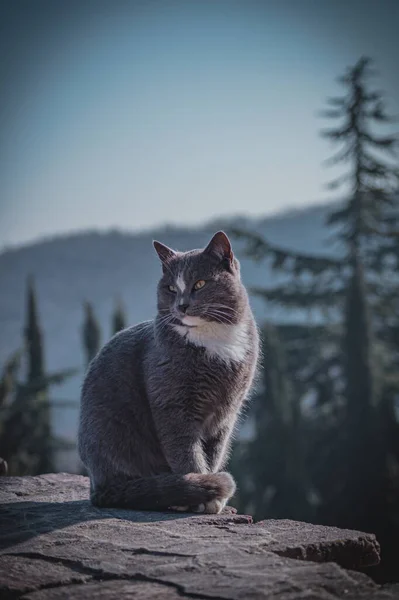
(180, 508)
(200, 508)
(214, 507)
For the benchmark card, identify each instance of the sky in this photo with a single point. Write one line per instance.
(133, 114)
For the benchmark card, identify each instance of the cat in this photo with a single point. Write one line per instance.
(160, 400)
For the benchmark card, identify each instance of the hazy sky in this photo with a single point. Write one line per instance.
(136, 113)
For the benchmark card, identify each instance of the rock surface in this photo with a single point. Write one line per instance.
(55, 545)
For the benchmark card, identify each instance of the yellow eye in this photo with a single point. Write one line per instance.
(200, 284)
(172, 288)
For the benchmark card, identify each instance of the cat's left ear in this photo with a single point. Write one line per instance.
(220, 246)
(164, 252)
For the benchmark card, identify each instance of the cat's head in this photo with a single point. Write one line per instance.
(201, 286)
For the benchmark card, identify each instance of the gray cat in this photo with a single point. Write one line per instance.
(160, 400)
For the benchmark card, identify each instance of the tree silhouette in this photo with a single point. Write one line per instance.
(119, 320)
(91, 333)
(278, 485)
(26, 440)
(354, 293)
(33, 337)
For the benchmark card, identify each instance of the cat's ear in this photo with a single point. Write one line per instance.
(164, 252)
(220, 246)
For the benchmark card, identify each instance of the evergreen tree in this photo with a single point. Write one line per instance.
(119, 320)
(354, 291)
(372, 185)
(8, 378)
(26, 440)
(36, 406)
(7, 383)
(33, 336)
(91, 333)
(278, 485)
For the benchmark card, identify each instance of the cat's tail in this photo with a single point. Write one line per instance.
(165, 491)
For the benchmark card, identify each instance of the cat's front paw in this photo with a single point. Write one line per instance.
(180, 508)
(214, 507)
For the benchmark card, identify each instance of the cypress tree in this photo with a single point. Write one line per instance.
(119, 320)
(25, 423)
(91, 333)
(26, 439)
(32, 397)
(33, 336)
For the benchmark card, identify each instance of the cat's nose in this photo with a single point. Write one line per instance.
(183, 308)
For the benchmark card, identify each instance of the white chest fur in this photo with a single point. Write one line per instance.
(224, 341)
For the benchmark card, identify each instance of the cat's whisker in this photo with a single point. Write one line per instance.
(223, 317)
(229, 308)
(222, 313)
(212, 308)
(220, 317)
(228, 314)
(216, 319)
(167, 315)
(164, 321)
(163, 318)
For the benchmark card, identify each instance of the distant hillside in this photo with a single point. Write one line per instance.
(100, 266)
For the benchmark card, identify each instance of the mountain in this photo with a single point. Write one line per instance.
(100, 267)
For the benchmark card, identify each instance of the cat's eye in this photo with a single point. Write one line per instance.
(172, 288)
(200, 284)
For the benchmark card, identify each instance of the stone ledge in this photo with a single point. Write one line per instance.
(54, 544)
(304, 541)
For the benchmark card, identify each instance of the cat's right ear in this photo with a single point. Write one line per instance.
(164, 252)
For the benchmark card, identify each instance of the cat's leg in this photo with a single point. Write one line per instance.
(180, 439)
(216, 448)
(182, 444)
(190, 459)
(216, 451)
(182, 447)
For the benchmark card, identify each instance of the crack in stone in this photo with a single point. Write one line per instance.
(14, 594)
(155, 552)
(100, 575)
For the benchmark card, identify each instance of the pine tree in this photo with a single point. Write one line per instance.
(119, 320)
(270, 469)
(36, 406)
(91, 333)
(7, 383)
(26, 439)
(372, 185)
(8, 377)
(354, 292)
(33, 336)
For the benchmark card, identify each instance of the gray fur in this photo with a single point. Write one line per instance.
(160, 400)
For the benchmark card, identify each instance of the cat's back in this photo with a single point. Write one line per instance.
(119, 359)
(113, 401)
